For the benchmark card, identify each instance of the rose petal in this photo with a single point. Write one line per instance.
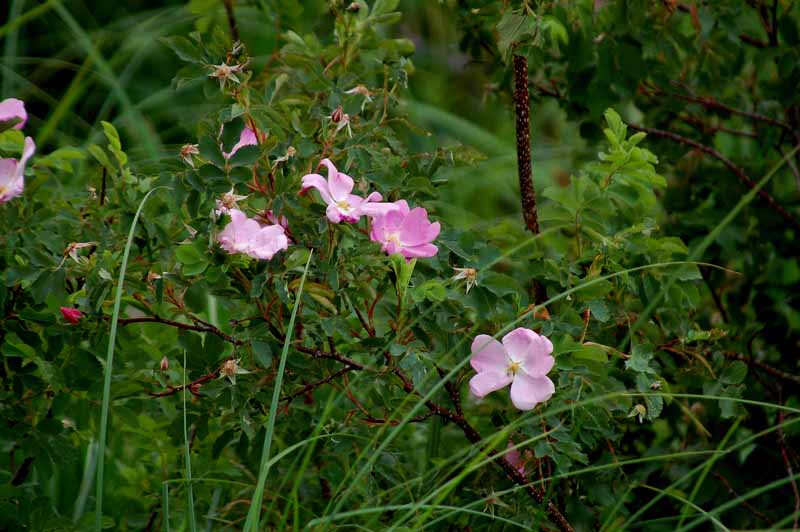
(527, 392)
(318, 182)
(485, 383)
(488, 355)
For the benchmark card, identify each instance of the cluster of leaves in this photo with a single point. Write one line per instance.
(380, 346)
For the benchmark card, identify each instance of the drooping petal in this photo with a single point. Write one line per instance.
(12, 108)
(247, 137)
(487, 382)
(527, 392)
(513, 457)
(488, 355)
(420, 252)
(318, 182)
(27, 152)
(417, 229)
(9, 184)
(340, 185)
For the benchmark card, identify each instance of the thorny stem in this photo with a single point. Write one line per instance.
(522, 111)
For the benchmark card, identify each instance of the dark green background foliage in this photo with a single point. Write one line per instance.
(676, 383)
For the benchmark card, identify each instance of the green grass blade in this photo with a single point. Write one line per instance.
(188, 458)
(165, 504)
(254, 514)
(149, 140)
(24, 18)
(686, 502)
(109, 367)
(685, 512)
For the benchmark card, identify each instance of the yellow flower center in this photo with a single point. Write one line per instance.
(514, 367)
(394, 238)
(344, 205)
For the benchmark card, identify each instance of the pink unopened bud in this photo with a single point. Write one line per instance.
(72, 315)
(337, 115)
(164, 363)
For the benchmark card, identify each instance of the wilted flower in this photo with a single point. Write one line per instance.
(224, 73)
(12, 172)
(290, 152)
(470, 274)
(363, 91)
(342, 120)
(72, 315)
(164, 363)
(639, 411)
(12, 109)
(406, 231)
(247, 137)
(514, 458)
(72, 252)
(227, 202)
(231, 369)
(342, 205)
(522, 360)
(246, 235)
(187, 151)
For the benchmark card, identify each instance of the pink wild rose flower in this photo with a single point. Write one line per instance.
(72, 315)
(12, 173)
(245, 235)
(406, 231)
(13, 109)
(336, 192)
(523, 360)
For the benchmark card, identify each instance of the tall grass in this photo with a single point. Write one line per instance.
(254, 514)
(109, 366)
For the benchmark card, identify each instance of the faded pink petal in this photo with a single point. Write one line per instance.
(487, 382)
(11, 109)
(247, 137)
(514, 458)
(488, 355)
(527, 392)
(12, 172)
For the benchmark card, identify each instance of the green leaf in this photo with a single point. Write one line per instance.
(183, 48)
(734, 373)
(512, 28)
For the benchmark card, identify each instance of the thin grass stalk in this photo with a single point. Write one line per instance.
(187, 458)
(112, 337)
(254, 514)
